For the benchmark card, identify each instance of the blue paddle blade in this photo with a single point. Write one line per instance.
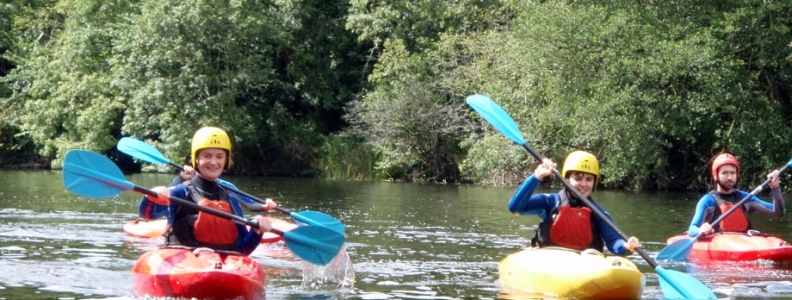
(141, 150)
(103, 180)
(496, 116)
(315, 218)
(679, 250)
(677, 285)
(317, 245)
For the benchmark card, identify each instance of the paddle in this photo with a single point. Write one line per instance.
(680, 249)
(145, 152)
(92, 175)
(674, 284)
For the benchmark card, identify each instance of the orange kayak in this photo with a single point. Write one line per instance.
(156, 228)
(738, 247)
(200, 273)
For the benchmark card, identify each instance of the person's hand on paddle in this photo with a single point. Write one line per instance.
(264, 224)
(775, 179)
(706, 228)
(187, 173)
(163, 194)
(544, 169)
(633, 244)
(270, 205)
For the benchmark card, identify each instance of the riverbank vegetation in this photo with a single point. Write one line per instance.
(375, 90)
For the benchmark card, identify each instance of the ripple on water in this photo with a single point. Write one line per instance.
(780, 287)
(405, 294)
(374, 296)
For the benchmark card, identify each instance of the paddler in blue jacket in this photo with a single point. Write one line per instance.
(725, 172)
(210, 155)
(566, 221)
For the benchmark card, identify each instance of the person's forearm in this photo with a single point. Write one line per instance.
(779, 208)
(519, 201)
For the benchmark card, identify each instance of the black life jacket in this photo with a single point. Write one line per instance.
(194, 228)
(735, 222)
(569, 225)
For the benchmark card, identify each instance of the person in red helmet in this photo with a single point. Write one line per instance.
(725, 173)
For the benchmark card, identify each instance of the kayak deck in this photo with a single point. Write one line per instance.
(732, 246)
(559, 272)
(180, 272)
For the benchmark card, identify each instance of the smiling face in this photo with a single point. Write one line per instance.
(583, 182)
(727, 178)
(211, 163)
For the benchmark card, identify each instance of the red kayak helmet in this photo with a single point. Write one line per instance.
(724, 159)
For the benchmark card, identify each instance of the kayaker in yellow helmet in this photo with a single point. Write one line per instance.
(566, 221)
(725, 172)
(210, 156)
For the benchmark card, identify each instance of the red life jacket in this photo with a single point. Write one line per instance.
(570, 225)
(197, 229)
(736, 221)
(568, 228)
(214, 230)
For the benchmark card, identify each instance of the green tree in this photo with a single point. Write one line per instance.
(653, 90)
(410, 114)
(179, 66)
(93, 71)
(62, 98)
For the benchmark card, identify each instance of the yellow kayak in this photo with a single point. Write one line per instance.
(564, 273)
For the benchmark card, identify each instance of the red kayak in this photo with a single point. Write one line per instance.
(200, 273)
(156, 228)
(738, 247)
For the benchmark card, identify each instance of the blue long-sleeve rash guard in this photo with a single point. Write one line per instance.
(247, 240)
(148, 210)
(754, 205)
(524, 202)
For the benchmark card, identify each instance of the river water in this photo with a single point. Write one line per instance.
(404, 240)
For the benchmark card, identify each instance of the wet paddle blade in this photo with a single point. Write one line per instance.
(103, 180)
(496, 116)
(141, 150)
(678, 285)
(678, 250)
(315, 218)
(316, 245)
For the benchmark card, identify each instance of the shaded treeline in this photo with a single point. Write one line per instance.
(375, 89)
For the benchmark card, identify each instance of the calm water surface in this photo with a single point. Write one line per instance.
(404, 241)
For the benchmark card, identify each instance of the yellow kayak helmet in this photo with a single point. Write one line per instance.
(210, 137)
(581, 161)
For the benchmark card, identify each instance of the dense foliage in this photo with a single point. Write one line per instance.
(375, 89)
